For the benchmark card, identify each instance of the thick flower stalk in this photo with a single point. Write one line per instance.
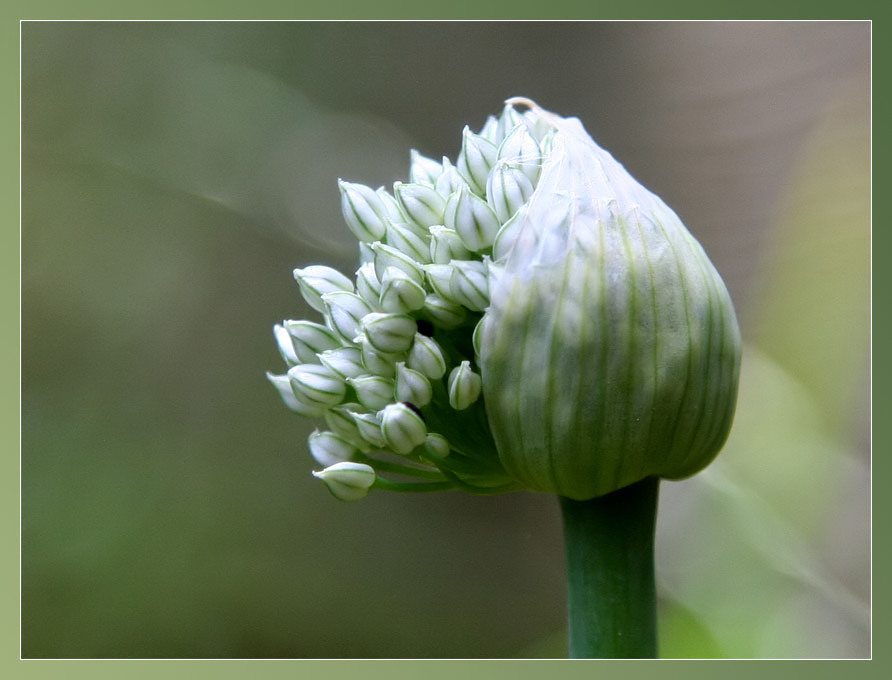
(527, 317)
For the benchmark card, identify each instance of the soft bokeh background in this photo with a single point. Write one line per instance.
(173, 176)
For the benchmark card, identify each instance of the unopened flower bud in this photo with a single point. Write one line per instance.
(446, 314)
(345, 311)
(327, 448)
(426, 357)
(449, 180)
(316, 385)
(348, 481)
(507, 189)
(440, 276)
(412, 386)
(317, 280)
(285, 343)
(310, 339)
(400, 292)
(403, 428)
(423, 170)
(372, 391)
(369, 427)
(472, 219)
(368, 286)
(475, 159)
(341, 423)
(375, 362)
(283, 384)
(344, 361)
(521, 150)
(388, 256)
(470, 284)
(421, 203)
(363, 210)
(408, 241)
(389, 333)
(447, 245)
(436, 444)
(464, 386)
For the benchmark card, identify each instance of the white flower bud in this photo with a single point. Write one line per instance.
(283, 384)
(345, 312)
(403, 428)
(388, 256)
(400, 293)
(464, 386)
(316, 385)
(310, 339)
(472, 219)
(369, 427)
(348, 481)
(375, 362)
(317, 280)
(507, 189)
(372, 391)
(341, 423)
(470, 284)
(344, 361)
(393, 212)
(368, 286)
(409, 242)
(446, 314)
(520, 149)
(475, 160)
(426, 357)
(363, 210)
(446, 245)
(420, 202)
(423, 170)
(490, 129)
(509, 119)
(437, 444)
(506, 236)
(449, 180)
(328, 449)
(412, 386)
(439, 276)
(285, 343)
(389, 333)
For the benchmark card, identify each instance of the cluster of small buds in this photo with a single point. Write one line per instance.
(392, 369)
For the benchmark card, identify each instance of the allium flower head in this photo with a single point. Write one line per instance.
(527, 317)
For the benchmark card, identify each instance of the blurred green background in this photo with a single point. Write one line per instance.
(173, 174)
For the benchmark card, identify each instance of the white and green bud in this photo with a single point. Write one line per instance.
(373, 391)
(375, 362)
(368, 286)
(449, 180)
(317, 280)
(369, 427)
(470, 284)
(421, 203)
(426, 357)
(610, 350)
(520, 149)
(507, 189)
(341, 423)
(409, 242)
(393, 212)
(423, 170)
(475, 159)
(283, 384)
(400, 292)
(436, 444)
(364, 211)
(285, 343)
(472, 219)
(464, 386)
(345, 312)
(310, 339)
(508, 121)
(412, 386)
(348, 481)
(316, 385)
(439, 277)
(490, 129)
(447, 245)
(388, 256)
(343, 361)
(403, 428)
(444, 313)
(506, 237)
(327, 448)
(388, 332)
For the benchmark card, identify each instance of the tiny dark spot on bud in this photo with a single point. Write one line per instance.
(416, 409)
(426, 328)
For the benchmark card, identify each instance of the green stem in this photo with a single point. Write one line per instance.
(610, 573)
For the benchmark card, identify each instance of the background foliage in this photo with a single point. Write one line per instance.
(173, 174)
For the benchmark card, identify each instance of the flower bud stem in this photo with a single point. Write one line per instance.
(610, 573)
